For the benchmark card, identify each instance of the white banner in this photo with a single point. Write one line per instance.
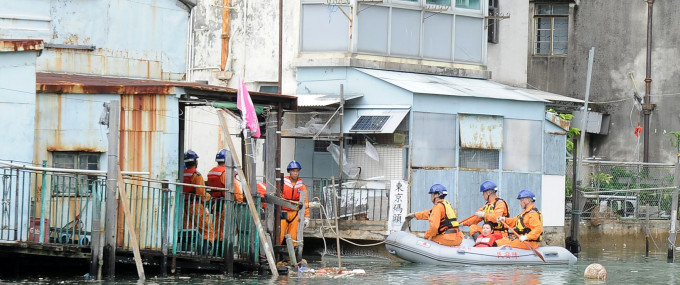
(398, 205)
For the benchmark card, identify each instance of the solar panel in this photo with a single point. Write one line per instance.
(370, 123)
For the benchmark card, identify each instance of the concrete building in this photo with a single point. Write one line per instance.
(618, 32)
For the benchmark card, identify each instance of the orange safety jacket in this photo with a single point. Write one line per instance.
(490, 207)
(216, 178)
(487, 241)
(522, 229)
(292, 192)
(447, 221)
(192, 176)
(261, 190)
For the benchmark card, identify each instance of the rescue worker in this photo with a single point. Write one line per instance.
(292, 186)
(261, 190)
(238, 193)
(443, 224)
(217, 178)
(528, 224)
(195, 214)
(487, 237)
(495, 207)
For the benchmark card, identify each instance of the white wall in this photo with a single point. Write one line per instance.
(507, 60)
(552, 200)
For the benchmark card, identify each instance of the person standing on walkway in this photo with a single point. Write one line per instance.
(528, 224)
(217, 177)
(195, 214)
(443, 224)
(495, 207)
(292, 187)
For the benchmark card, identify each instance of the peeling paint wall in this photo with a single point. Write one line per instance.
(141, 38)
(507, 60)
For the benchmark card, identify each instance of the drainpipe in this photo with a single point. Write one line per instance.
(225, 33)
(647, 107)
(280, 45)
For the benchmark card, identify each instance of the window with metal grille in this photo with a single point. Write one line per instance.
(370, 123)
(551, 29)
(321, 145)
(477, 158)
(74, 184)
(492, 24)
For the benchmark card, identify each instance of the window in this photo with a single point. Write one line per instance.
(492, 24)
(551, 29)
(467, 4)
(477, 158)
(269, 89)
(75, 184)
(434, 140)
(321, 146)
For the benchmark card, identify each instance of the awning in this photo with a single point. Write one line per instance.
(323, 100)
(373, 121)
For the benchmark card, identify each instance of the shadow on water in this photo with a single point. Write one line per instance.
(624, 260)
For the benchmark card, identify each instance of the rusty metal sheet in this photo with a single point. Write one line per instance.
(481, 132)
(555, 119)
(21, 45)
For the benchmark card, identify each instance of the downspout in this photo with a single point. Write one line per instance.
(190, 44)
(226, 36)
(648, 107)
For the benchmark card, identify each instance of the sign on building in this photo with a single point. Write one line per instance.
(398, 205)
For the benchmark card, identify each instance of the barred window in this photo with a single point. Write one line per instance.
(551, 29)
(74, 184)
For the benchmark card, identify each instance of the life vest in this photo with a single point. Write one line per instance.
(521, 229)
(448, 221)
(485, 241)
(261, 190)
(291, 191)
(488, 208)
(187, 178)
(215, 180)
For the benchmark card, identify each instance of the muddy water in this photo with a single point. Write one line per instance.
(625, 262)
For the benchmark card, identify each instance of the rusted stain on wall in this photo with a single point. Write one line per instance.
(21, 45)
(481, 132)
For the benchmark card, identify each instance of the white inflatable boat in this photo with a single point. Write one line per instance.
(408, 246)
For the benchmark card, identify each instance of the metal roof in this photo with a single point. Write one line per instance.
(451, 86)
(551, 96)
(86, 84)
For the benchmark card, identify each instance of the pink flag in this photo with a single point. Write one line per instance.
(248, 115)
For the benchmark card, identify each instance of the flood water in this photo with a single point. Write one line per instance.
(625, 263)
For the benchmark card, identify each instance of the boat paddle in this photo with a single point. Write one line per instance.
(525, 242)
(406, 224)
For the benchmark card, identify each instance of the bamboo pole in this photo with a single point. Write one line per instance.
(130, 227)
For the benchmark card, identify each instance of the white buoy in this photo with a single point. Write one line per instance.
(595, 271)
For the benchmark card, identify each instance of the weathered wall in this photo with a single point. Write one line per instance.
(617, 30)
(127, 38)
(507, 60)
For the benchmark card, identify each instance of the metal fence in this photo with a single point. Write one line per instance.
(623, 189)
(357, 200)
(52, 207)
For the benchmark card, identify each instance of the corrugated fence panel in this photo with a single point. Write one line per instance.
(421, 182)
(513, 183)
(468, 191)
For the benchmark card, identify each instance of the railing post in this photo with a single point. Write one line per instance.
(43, 204)
(674, 211)
(165, 193)
(176, 226)
(111, 189)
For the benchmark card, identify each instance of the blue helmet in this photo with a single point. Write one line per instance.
(221, 156)
(488, 185)
(294, 165)
(190, 156)
(526, 194)
(438, 188)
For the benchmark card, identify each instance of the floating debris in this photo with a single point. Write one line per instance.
(595, 271)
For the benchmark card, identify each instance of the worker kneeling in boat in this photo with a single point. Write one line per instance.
(495, 207)
(528, 224)
(487, 238)
(443, 224)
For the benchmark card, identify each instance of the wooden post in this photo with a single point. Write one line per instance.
(130, 227)
(674, 211)
(337, 227)
(165, 200)
(227, 230)
(251, 205)
(112, 173)
(291, 252)
(301, 228)
(270, 169)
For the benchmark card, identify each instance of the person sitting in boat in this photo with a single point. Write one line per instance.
(487, 237)
(528, 224)
(443, 224)
(495, 207)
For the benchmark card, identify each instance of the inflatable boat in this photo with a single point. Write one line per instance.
(410, 247)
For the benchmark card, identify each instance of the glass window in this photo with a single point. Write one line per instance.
(477, 158)
(438, 36)
(324, 28)
(269, 88)
(438, 2)
(469, 33)
(522, 145)
(551, 29)
(75, 184)
(405, 32)
(373, 30)
(468, 4)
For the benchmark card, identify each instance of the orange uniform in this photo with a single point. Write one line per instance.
(530, 223)
(261, 190)
(443, 226)
(195, 215)
(492, 210)
(291, 191)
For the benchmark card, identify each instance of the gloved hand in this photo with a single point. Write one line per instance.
(500, 219)
(522, 238)
(306, 222)
(410, 216)
(480, 214)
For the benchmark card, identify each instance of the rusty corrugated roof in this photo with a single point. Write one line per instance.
(87, 84)
(7, 45)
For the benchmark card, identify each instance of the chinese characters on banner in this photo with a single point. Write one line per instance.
(398, 205)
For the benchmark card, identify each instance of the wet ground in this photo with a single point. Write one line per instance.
(625, 262)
